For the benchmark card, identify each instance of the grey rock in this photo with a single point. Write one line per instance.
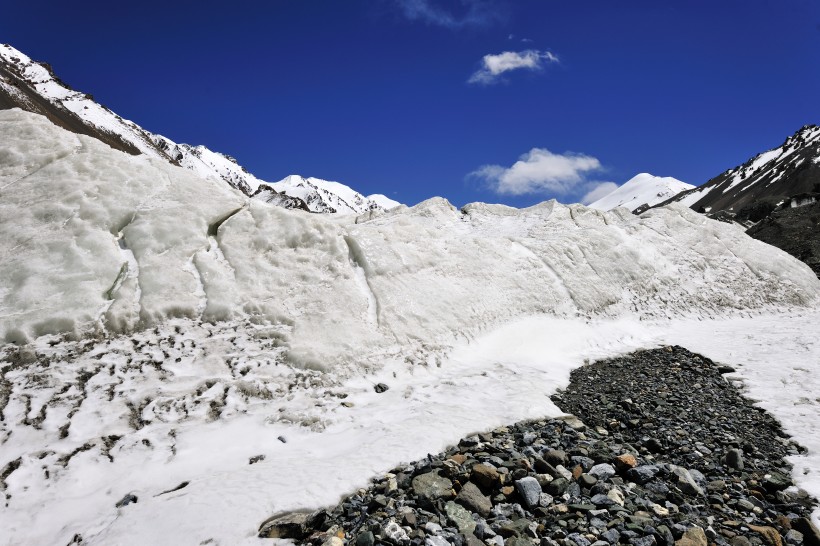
(573, 422)
(126, 500)
(431, 486)
(473, 499)
(529, 490)
(365, 539)
(794, 537)
(380, 387)
(395, 533)
(295, 525)
(602, 471)
(602, 500)
(745, 505)
(460, 517)
(642, 474)
(557, 487)
(555, 457)
(433, 528)
(578, 539)
(686, 481)
(587, 480)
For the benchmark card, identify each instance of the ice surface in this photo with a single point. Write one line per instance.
(179, 328)
(642, 189)
(70, 205)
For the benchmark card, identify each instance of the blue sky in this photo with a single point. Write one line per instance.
(473, 100)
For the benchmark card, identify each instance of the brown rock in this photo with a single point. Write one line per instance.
(576, 472)
(625, 462)
(459, 458)
(694, 536)
(484, 475)
(769, 534)
(507, 491)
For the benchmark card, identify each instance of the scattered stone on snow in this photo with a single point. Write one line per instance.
(647, 458)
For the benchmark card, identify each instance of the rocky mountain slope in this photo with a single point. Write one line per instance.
(34, 87)
(795, 230)
(642, 191)
(775, 175)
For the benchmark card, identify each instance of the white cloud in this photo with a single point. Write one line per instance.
(475, 13)
(540, 171)
(600, 189)
(493, 66)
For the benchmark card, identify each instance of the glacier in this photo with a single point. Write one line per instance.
(163, 328)
(71, 206)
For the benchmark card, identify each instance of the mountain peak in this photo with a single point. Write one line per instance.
(642, 189)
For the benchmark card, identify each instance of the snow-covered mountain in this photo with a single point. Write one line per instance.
(643, 189)
(211, 359)
(790, 169)
(33, 86)
(324, 196)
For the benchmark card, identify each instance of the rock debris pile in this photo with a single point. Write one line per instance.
(663, 452)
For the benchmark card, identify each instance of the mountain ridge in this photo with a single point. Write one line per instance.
(33, 86)
(776, 174)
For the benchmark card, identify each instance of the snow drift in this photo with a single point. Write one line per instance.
(95, 239)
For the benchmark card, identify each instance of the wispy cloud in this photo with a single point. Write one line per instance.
(598, 190)
(494, 66)
(540, 171)
(472, 13)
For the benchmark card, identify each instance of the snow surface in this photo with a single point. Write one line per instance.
(327, 449)
(179, 329)
(642, 189)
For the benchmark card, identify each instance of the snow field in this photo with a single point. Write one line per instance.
(147, 422)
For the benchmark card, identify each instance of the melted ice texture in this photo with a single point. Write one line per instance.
(178, 329)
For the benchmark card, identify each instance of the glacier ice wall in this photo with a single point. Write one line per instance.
(92, 239)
